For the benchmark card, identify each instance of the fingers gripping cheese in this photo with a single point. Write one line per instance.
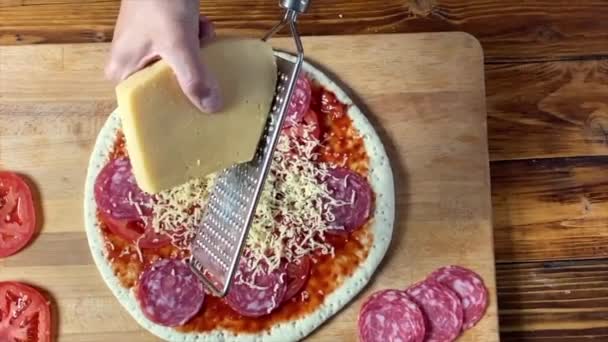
(170, 141)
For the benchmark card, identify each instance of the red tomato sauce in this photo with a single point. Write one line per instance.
(341, 145)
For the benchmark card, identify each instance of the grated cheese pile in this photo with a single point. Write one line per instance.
(294, 211)
(177, 211)
(292, 217)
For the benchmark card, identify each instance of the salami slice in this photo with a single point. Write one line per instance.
(441, 308)
(257, 294)
(354, 195)
(117, 193)
(169, 293)
(297, 275)
(469, 287)
(390, 315)
(300, 101)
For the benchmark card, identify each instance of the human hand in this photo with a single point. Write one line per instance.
(172, 30)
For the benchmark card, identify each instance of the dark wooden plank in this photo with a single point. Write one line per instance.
(550, 209)
(550, 109)
(557, 302)
(509, 30)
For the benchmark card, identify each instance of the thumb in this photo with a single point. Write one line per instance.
(193, 76)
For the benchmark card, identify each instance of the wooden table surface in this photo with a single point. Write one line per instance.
(547, 101)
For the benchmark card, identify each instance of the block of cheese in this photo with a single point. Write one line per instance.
(170, 141)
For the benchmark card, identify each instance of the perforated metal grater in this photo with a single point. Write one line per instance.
(220, 238)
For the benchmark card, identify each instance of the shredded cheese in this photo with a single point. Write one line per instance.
(125, 251)
(292, 216)
(177, 212)
(109, 245)
(294, 211)
(138, 248)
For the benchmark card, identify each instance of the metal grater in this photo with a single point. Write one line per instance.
(220, 238)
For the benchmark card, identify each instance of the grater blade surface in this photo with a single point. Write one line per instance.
(221, 235)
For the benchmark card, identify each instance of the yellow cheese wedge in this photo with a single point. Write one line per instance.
(170, 141)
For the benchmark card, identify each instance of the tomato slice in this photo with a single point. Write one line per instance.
(297, 275)
(311, 119)
(17, 214)
(153, 240)
(132, 230)
(308, 128)
(25, 315)
(330, 105)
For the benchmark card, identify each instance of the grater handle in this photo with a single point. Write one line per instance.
(299, 6)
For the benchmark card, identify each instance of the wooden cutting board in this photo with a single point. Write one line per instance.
(424, 93)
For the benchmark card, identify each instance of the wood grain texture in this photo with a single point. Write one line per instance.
(435, 136)
(556, 109)
(549, 109)
(543, 210)
(554, 301)
(550, 209)
(509, 30)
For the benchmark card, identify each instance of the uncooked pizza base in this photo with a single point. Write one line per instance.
(381, 227)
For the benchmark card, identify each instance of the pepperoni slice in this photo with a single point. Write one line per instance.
(297, 275)
(469, 287)
(441, 308)
(355, 196)
(169, 293)
(117, 193)
(390, 315)
(300, 101)
(263, 297)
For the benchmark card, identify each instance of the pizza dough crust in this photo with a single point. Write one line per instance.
(380, 178)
